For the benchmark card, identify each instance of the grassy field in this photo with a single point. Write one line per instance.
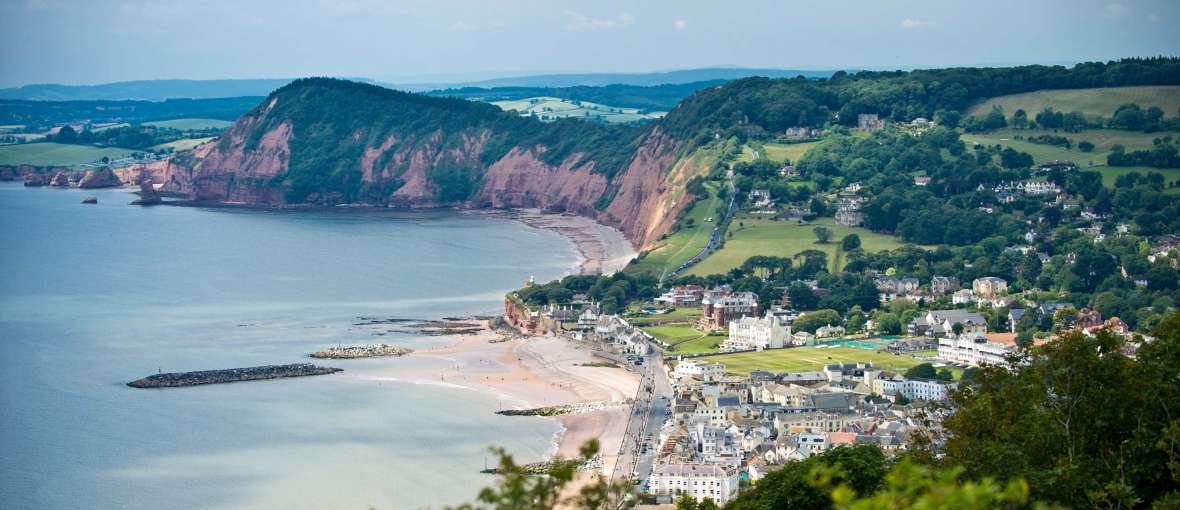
(802, 359)
(190, 124)
(56, 154)
(561, 108)
(686, 242)
(1103, 140)
(1091, 102)
(779, 152)
(699, 346)
(673, 335)
(183, 144)
(784, 239)
(677, 316)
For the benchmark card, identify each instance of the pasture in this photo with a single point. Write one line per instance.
(183, 144)
(190, 124)
(784, 239)
(1099, 102)
(56, 154)
(552, 108)
(779, 152)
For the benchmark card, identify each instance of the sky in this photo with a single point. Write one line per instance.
(407, 41)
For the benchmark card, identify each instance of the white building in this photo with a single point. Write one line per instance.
(752, 333)
(913, 389)
(697, 480)
(963, 297)
(702, 370)
(829, 331)
(973, 349)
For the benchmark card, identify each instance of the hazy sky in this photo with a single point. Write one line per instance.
(96, 41)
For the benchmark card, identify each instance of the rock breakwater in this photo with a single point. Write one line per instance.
(584, 407)
(180, 379)
(362, 351)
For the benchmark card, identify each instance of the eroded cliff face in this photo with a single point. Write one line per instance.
(397, 167)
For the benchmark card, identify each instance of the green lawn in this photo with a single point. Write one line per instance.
(677, 316)
(1110, 173)
(1091, 102)
(56, 154)
(676, 334)
(779, 152)
(699, 346)
(686, 242)
(183, 144)
(190, 124)
(802, 359)
(783, 239)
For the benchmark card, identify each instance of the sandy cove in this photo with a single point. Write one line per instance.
(602, 249)
(539, 372)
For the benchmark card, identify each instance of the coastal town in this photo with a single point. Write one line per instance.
(771, 389)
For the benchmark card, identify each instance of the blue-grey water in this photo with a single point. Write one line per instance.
(93, 296)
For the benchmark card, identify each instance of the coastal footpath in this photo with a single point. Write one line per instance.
(180, 379)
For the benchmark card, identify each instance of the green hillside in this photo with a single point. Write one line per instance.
(1096, 102)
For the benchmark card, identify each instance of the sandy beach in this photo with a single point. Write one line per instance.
(602, 249)
(539, 372)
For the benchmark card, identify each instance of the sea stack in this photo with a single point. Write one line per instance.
(147, 194)
(90, 200)
(36, 179)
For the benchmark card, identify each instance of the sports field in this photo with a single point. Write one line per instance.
(1100, 102)
(56, 154)
(784, 239)
(802, 359)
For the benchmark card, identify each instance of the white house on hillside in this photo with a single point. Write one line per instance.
(746, 333)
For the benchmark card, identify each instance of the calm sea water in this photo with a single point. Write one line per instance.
(94, 296)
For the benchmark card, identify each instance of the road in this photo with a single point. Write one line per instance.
(715, 237)
(651, 409)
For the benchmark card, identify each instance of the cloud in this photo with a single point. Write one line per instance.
(914, 23)
(1153, 17)
(580, 22)
(680, 24)
(1117, 10)
(461, 26)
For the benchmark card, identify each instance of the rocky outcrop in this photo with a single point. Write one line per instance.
(100, 178)
(21, 172)
(60, 180)
(90, 200)
(147, 194)
(180, 379)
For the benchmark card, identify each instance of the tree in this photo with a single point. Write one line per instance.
(1020, 119)
(66, 134)
(910, 485)
(957, 328)
(860, 469)
(812, 321)
(1083, 423)
(922, 371)
(518, 489)
(822, 234)
(1086, 146)
(850, 242)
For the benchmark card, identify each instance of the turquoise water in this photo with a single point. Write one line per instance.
(94, 296)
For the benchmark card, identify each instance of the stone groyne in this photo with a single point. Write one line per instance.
(583, 407)
(362, 351)
(179, 379)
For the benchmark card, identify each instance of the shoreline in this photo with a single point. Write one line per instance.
(602, 249)
(536, 372)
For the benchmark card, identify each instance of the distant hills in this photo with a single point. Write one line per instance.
(145, 90)
(639, 79)
(159, 90)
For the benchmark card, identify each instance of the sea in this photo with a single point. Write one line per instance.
(95, 296)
